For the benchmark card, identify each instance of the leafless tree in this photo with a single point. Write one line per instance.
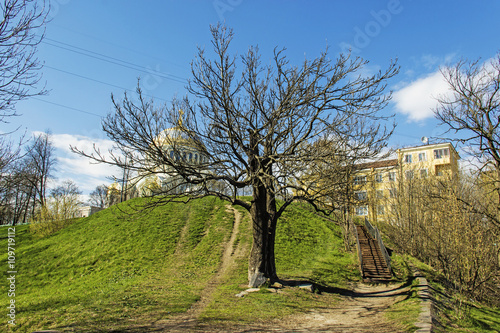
(457, 241)
(254, 127)
(40, 161)
(21, 30)
(473, 113)
(98, 196)
(64, 201)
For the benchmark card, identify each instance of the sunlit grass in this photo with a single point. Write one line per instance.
(113, 271)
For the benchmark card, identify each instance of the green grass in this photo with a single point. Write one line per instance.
(467, 317)
(113, 271)
(405, 312)
(305, 245)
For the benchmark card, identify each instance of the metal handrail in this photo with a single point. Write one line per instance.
(376, 235)
(358, 247)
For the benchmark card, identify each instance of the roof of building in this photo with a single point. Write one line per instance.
(377, 164)
(431, 146)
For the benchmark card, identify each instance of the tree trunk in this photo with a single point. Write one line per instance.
(261, 265)
(271, 235)
(257, 265)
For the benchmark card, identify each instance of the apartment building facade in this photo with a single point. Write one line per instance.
(376, 183)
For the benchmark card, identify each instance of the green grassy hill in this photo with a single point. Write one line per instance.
(114, 270)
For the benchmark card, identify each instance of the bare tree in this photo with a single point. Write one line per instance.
(458, 241)
(41, 161)
(64, 201)
(252, 128)
(473, 112)
(98, 196)
(21, 30)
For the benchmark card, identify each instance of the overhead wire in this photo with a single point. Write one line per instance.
(105, 58)
(113, 60)
(68, 107)
(101, 82)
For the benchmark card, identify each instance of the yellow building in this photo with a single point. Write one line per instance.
(374, 184)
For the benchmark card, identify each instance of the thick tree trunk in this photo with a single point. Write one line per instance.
(262, 264)
(271, 232)
(257, 265)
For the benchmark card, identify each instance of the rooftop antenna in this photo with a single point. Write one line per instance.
(425, 140)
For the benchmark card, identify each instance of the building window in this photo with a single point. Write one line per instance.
(392, 176)
(361, 195)
(380, 210)
(358, 180)
(422, 157)
(423, 173)
(379, 178)
(380, 194)
(190, 157)
(408, 158)
(441, 153)
(362, 210)
(392, 193)
(409, 174)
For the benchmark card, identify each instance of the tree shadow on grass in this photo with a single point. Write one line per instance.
(393, 289)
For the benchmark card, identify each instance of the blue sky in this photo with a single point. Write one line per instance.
(94, 48)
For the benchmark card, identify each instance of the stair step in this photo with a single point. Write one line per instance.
(374, 266)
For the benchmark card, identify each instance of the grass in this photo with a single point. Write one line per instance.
(113, 270)
(454, 314)
(405, 312)
(307, 247)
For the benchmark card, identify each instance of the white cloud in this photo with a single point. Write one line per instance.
(418, 99)
(86, 174)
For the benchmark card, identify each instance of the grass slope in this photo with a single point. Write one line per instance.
(112, 270)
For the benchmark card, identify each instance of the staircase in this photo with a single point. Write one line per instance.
(373, 264)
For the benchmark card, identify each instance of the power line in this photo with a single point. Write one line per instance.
(112, 60)
(68, 107)
(101, 82)
(118, 45)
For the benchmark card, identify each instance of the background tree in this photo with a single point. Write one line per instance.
(427, 221)
(21, 30)
(98, 196)
(472, 111)
(59, 211)
(64, 201)
(40, 161)
(254, 127)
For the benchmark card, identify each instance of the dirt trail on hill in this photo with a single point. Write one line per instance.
(188, 322)
(360, 310)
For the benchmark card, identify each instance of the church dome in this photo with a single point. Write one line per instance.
(177, 135)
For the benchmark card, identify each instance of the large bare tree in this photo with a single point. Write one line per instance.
(472, 112)
(254, 127)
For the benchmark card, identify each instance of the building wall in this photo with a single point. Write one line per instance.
(375, 184)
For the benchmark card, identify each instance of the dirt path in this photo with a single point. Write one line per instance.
(188, 321)
(227, 260)
(359, 311)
